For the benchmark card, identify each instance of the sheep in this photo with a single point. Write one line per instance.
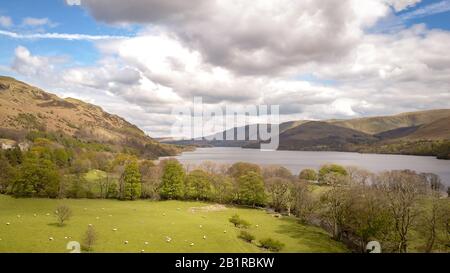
(204, 237)
(90, 225)
(114, 229)
(50, 238)
(85, 208)
(142, 251)
(224, 231)
(257, 225)
(192, 244)
(65, 237)
(8, 223)
(35, 215)
(168, 239)
(103, 208)
(200, 226)
(18, 216)
(145, 243)
(97, 217)
(110, 215)
(48, 214)
(178, 208)
(164, 214)
(125, 242)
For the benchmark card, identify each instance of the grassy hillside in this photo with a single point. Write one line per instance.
(375, 125)
(144, 221)
(24, 108)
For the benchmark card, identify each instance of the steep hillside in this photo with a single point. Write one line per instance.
(439, 129)
(24, 108)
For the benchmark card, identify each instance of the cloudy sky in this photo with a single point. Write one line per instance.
(317, 59)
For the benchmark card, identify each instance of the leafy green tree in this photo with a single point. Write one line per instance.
(14, 156)
(224, 189)
(37, 177)
(131, 179)
(172, 180)
(238, 222)
(239, 169)
(331, 169)
(198, 185)
(7, 173)
(308, 174)
(251, 189)
(279, 190)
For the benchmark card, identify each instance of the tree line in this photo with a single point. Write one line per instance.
(403, 210)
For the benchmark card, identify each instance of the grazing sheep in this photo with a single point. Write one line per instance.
(48, 214)
(103, 208)
(164, 214)
(35, 215)
(110, 215)
(97, 217)
(178, 208)
(90, 225)
(85, 208)
(168, 239)
(125, 242)
(145, 243)
(50, 239)
(257, 225)
(204, 237)
(8, 223)
(142, 251)
(114, 229)
(192, 244)
(224, 231)
(18, 216)
(65, 237)
(200, 226)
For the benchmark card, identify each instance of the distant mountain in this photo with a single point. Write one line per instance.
(376, 125)
(24, 108)
(411, 133)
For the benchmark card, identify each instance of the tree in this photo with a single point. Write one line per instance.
(7, 173)
(36, 177)
(308, 175)
(331, 169)
(131, 181)
(433, 224)
(279, 190)
(401, 190)
(336, 203)
(63, 213)
(368, 217)
(14, 156)
(198, 185)
(172, 180)
(251, 189)
(242, 168)
(238, 222)
(303, 202)
(89, 239)
(224, 190)
(277, 171)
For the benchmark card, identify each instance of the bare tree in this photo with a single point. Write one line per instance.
(63, 213)
(401, 190)
(89, 239)
(279, 190)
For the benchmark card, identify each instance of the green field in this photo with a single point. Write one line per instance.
(142, 221)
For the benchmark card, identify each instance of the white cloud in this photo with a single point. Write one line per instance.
(59, 36)
(37, 22)
(6, 21)
(253, 52)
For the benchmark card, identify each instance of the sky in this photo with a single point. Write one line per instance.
(317, 59)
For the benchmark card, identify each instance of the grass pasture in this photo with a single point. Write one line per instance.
(32, 223)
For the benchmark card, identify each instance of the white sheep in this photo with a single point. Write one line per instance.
(192, 244)
(224, 231)
(142, 251)
(125, 242)
(257, 225)
(65, 237)
(114, 229)
(8, 223)
(35, 215)
(50, 239)
(18, 216)
(164, 214)
(200, 226)
(145, 243)
(168, 239)
(48, 214)
(90, 225)
(204, 237)
(97, 217)
(110, 215)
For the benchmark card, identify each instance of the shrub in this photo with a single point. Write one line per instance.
(89, 239)
(271, 244)
(246, 236)
(308, 174)
(238, 222)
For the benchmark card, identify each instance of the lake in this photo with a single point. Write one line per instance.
(298, 160)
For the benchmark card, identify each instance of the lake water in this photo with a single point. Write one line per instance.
(298, 160)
